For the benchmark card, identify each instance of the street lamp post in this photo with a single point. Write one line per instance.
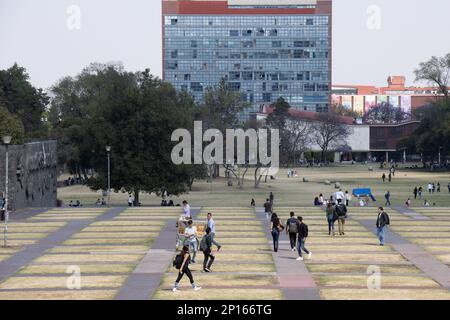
(7, 142)
(108, 150)
(440, 148)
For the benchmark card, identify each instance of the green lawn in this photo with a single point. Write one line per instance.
(292, 192)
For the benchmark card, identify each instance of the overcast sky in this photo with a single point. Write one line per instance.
(372, 38)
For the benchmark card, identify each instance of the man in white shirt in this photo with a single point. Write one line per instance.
(212, 225)
(191, 235)
(130, 201)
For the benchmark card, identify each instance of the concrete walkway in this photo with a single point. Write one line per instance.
(423, 260)
(295, 280)
(410, 213)
(147, 276)
(31, 252)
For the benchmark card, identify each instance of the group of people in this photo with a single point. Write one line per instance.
(77, 204)
(184, 259)
(100, 203)
(343, 197)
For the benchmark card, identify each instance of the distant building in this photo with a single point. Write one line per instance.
(264, 49)
(365, 142)
(361, 98)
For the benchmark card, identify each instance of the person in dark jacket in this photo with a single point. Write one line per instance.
(207, 251)
(331, 218)
(382, 223)
(185, 270)
(292, 226)
(275, 228)
(302, 235)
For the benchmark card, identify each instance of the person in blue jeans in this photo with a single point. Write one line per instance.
(382, 222)
(275, 226)
(302, 235)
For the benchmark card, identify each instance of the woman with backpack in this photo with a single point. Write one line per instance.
(331, 218)
(182, 262)
(206, 246)
(275, 228)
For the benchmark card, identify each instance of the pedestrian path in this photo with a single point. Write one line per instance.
(146, 277)
(293, 276)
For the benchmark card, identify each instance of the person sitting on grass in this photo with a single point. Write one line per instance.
(184, 269)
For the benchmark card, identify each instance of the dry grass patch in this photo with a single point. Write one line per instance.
(437, 248)
(252, 248)
(357, 257)
(126, 223)
(219, 294)
(416, 235)
(119, 249)
(30, 235)
(431, 241)
(444, 257)
(226, 280)
(87, 258)
(4, 257)
(109, 235)
(356, 247)
(19, 243)
(62, 269)
(242, 240)
(31, 229)
(386, 280)
(61, 282)
(247, 267)
(59, 295)
(244, 229)
(416, 228)
(384, 294)
(115, 241)
(357, 268)
(240, 234)
(123, 229)
(261, 257)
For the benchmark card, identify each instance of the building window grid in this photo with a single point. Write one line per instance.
(226, 52)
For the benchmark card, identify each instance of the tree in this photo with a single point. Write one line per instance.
(293, 131)
(433, 133)
(24, 101)
(385, 113)
(435, 71)
(329, 132)
(220, 110)
(340, 110)
(135, 113)
(11, 125)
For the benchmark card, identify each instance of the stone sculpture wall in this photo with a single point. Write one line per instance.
(32, 175)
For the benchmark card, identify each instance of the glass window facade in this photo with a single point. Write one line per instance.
(263, 57)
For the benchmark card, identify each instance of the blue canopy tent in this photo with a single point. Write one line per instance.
(364, 192)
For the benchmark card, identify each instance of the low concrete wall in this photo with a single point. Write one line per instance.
(32, 175)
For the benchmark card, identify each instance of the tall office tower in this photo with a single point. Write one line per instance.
(264, 49)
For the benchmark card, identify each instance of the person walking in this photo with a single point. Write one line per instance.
(182, 262)
(382, 222)
(292, 230)
(275, 229)
(387, 196)
(130, 200)
(448, 187)
(268, 208)
(415, 192)
(383, 177)
(420, 192)
(408, 203)
(212, 226)
(191, 236)
(348, 198)
(187, 210)
(341, 211)
(430, 188)
(390, 177)
(331, 218)
(206, 247)
(271, 198)
(302, 235)
(438, 187)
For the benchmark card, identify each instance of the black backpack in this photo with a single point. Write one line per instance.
(293, 226)
(388, 220)
(178, 261)
(203, 244)
(341, 210)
